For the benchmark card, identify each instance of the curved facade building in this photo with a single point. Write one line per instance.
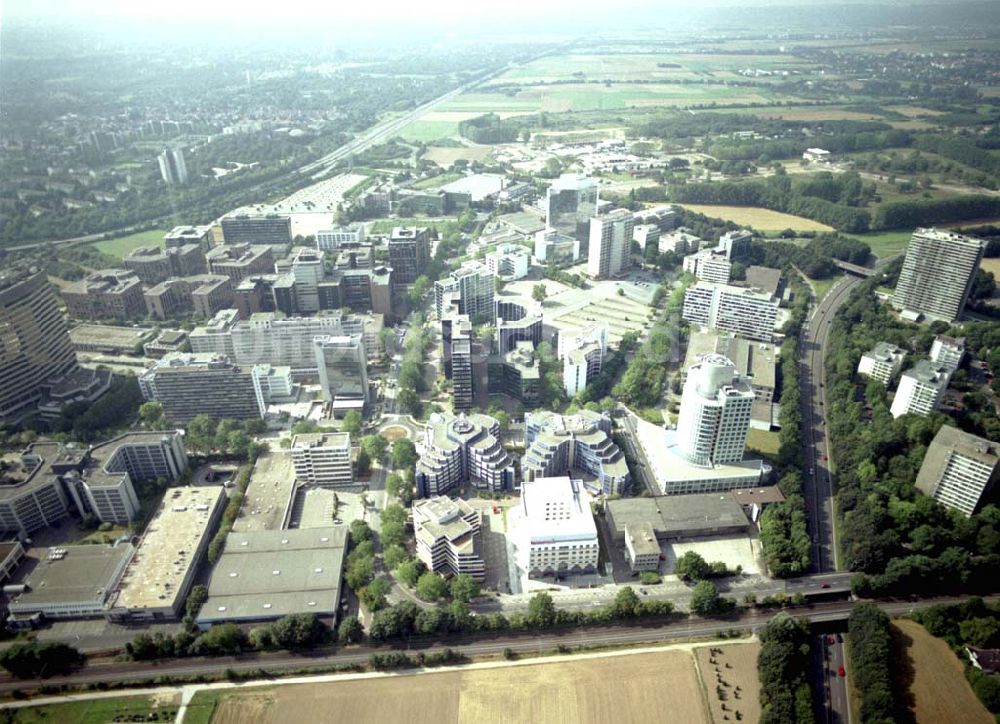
(34, 343)
(460, 449)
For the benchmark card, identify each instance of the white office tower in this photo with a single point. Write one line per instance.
(343, 370)
(446, 532)
(307, 272)
(554, 530)
(571, 203)
(948, 351)
(958, 469)
(709, 265)
(471, 286)
(331, 239)
(323, 458)
(715, 413)
(881, 362)
(937, 274)
(173, 170)
(582, 356)
(610, 243)
(920, 389)
(509, 262)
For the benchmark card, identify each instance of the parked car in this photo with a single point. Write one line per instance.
(841, 671)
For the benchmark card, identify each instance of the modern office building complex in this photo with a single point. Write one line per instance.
(323, 458)
(715, 410)
(184, 235)
(239, 261)
(241, 228)
(188, 385)
(34, 346)
(610, 246)
(580, 443)
(343, 371)
(462, 449)
(571, 203)
(49, 480)
(937, 274)
(705, 453)
(920, 389)
(409, 252)
(467, 290)
(554, 530)
(173, 170)
(958, 469)
(153, 264)
(447, 536)
(202, 295)
(106, 294)
(882, 362)
(745, 312)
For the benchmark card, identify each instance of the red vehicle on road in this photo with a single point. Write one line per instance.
(829, 640)
(841, 671)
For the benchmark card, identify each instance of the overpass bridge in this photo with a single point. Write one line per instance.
(861, 271)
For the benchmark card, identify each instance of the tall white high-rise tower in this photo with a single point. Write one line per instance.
(715, 413)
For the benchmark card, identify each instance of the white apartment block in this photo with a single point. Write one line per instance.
(746, 312)
(882, 362)
(937, 274)
(948, 351)
(323, 458)
(920, 389)
(509, 262)
(958, 469)
(554, 528)
(715, 412)
(610, 244)
(708, 265)
(447, 536)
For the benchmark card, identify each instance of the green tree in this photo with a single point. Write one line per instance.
(351, 422)
(691, 567)
(393, 533)
(409, 401)
(363, 463)
(298, 631)
(626, 604)
(404, 454)
(350, 630)
(705, 599)
(393, 555)
(151, 414)
(375, 446)
(409, 571)
(432, 587)
(539, 293)
(464, 588)
(200, 433)
(373, 596)
(541, 611)
(195, 599)
(360, 532)
(29, 659)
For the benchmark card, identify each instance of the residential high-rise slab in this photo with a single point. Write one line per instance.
(959, 468)
(173, 170)
(34, 343)
(937, 274)
(610, 244)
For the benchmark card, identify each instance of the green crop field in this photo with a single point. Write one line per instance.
(122, 245)
(428, 131)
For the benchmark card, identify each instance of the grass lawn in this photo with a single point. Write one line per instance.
(821, 287)
(384, 226)
(428, 131)
(991, 265)
(763, 441)
(202, 706)
(436, 181)
(124, 244)
(885, 243)
(94, 711)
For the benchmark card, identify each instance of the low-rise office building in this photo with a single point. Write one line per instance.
(106, 294)
(642, 550)
(157, 580)
(110, 339)
(264, 575)
(153, 264)
(323, 458)
(509, 262)
(239, 261)
(554, 529)
(446, 532)
(184, 235)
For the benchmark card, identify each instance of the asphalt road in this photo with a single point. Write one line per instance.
(523, 643)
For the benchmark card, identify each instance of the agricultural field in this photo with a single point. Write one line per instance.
(991, 265)
(731, 668)
(122, 245)
(760, 219)
(933, 678)
(571, 691)
(99, 711)
(436, 181)
(446, 156)
(428, 131)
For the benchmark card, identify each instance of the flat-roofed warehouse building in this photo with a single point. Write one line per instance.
(157, 581)
(72, 581)
(109, 339)
(676, 517)
(266, 574)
